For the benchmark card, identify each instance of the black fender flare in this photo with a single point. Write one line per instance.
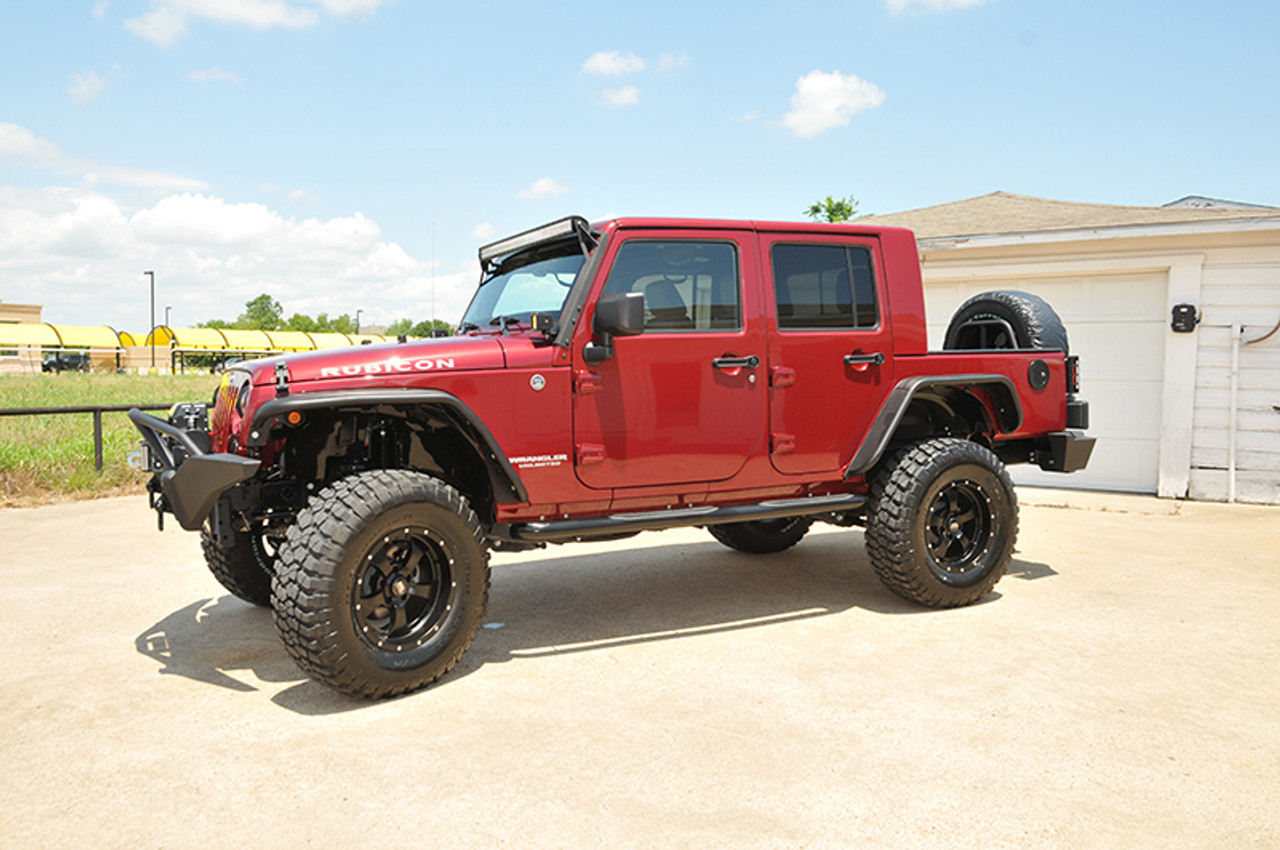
(507, 486)
(1000, 387)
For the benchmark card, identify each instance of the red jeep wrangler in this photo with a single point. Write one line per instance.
(628, 376)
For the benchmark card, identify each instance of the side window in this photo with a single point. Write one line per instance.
(820, 287)
(687, 286)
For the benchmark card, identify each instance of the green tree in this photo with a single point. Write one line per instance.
(301, 322)
(424, 328)
(344, 324)
(400, 326)
(834, 210)
(263, 313)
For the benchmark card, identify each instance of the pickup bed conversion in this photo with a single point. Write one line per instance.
(612, 378)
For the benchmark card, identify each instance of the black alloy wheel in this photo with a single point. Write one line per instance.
(958, 532)
(403, 590)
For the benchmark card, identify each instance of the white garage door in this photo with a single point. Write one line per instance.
(1117, 324)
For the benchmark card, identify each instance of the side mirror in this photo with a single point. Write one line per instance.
(616, 315)
(620, 315)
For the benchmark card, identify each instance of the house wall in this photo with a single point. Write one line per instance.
(1240, 287)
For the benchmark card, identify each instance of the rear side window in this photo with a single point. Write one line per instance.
(821, 287)
(687, 286)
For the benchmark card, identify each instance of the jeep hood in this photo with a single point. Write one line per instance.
(389, 360)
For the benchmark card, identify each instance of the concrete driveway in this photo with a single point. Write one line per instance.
(1121, 688)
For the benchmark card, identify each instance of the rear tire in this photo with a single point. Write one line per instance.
(985, 322)
(942, 523)
(382, 583)
(762, 537)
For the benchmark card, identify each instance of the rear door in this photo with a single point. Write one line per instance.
(685, 401)
(830, 359)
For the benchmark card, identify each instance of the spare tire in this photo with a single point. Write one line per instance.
(1005, 319)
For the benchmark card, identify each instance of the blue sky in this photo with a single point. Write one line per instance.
(353, 154)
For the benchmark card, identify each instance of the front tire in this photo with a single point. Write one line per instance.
(943, 522)
(762, 537)
(382, 583)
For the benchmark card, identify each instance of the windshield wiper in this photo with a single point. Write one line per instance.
(505, 321)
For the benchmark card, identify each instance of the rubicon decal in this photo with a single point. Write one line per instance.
(388, 367)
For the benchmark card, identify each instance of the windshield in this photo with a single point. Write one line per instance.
(535, 281)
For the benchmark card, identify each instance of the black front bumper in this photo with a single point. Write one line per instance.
(188, 478)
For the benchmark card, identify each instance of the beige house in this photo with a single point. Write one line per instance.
(1178, 413)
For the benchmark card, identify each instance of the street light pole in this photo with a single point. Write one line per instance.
(358, 312)
(152, 275)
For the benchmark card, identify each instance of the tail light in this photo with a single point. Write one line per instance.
(1073, 374)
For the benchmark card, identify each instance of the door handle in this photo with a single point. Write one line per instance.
(864, 359)
(736, 362)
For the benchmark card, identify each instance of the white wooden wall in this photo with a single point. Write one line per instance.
(1238, 286)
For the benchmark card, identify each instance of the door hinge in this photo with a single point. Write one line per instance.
(586, 382)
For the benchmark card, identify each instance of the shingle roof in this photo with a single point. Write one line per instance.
(1003, 212)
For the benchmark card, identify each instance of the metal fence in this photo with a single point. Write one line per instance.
(96, 410)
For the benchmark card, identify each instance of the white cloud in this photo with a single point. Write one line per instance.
(302, 195)
(80, 253)
(669, 62)
(170, 20)
(543, 187)
(215, 75)
(19, 141)
(27, 149)
(625, 96)
(897, 7)
(164, 26)
(100, 9)
(483, 231)
(823, 101)
(351, 8)
(611, 63)
(86, 87)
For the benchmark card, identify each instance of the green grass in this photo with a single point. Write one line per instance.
(47, 458)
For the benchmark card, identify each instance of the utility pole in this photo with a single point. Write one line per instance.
(358, 312)
(152, 275)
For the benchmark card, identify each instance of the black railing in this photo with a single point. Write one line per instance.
(97, 410)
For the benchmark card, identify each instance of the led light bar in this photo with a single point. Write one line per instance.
(545, 233)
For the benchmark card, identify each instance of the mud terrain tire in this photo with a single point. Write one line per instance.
(982, 322)
(245, 569)
(762, 537)
(382, 583)
(942, 522)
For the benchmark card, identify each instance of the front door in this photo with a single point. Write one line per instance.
(830, 361)
(685, 401)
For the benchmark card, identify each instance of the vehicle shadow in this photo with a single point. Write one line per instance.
(208, 639)
(575, 603)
